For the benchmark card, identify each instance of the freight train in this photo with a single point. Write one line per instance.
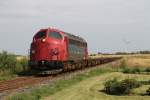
(55, 51)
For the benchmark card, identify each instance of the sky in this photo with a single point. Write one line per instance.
(107, 25)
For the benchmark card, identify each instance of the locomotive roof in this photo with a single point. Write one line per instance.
(72, 37)
(76, 38)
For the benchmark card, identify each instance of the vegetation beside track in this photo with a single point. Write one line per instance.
(93, 89)
(63, 88)
(38, 93)
(10, 67)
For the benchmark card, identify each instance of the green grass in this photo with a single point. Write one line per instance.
(7, 77)
(92, 89)
(141, 90)
(62, 85)
(91, 93)
(43, 91)
(136, 70)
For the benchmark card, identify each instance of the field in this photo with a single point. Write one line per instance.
(141, 60)
(90, 85)
(91, 88)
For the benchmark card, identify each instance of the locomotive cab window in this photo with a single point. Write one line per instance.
(41, 34)
(55, 35)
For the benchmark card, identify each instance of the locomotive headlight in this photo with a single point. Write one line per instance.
(33, 51)
(43, 40)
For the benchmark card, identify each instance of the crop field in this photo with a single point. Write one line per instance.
(90, 85)
(141, 60)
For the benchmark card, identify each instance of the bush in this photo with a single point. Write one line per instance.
(135, 70)
(115, 87)
(148, 91)
(147, 69)
(131, 70)
(10, 65)
(8, 61)
(126, 70)
(24, 64)
(145, 82)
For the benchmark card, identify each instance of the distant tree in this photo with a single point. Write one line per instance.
(144, 52)
(99, 53)
(121, 53)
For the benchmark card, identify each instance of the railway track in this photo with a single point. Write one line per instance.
(32, 80)
(21, 82)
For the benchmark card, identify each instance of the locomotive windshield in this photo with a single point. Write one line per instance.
(55, 35)
(41, 34)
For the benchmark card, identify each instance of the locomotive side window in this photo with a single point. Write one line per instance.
(75, 47)
(55, 35)
(41, 34)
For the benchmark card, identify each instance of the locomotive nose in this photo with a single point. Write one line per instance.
(38, 51)
(54, 51)
(44, 51)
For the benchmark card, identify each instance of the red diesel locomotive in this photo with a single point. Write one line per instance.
(51, 48)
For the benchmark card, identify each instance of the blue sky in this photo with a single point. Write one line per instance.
(107, 25)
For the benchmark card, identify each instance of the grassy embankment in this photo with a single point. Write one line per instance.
(89, 85)
(92, 88)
